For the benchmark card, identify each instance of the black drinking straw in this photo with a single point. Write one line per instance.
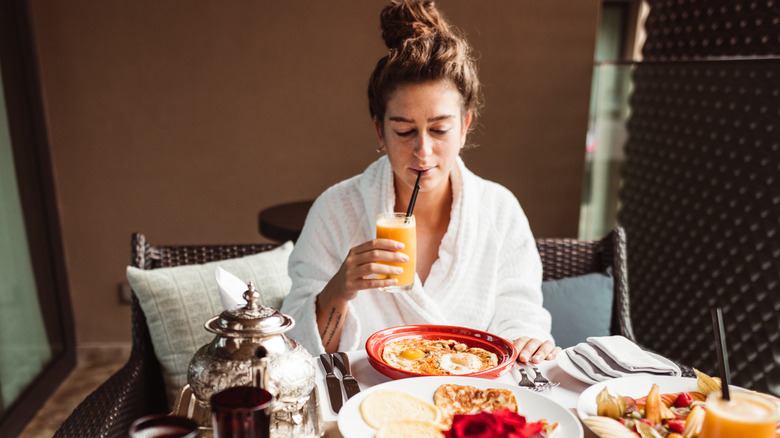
(720, 350)
(414, 195)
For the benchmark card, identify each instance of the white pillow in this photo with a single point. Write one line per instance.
(177, 302)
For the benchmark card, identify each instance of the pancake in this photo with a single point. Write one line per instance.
(461, 399)
(410, 428)
(384, 406)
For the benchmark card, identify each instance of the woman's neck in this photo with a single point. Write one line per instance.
(430, 207)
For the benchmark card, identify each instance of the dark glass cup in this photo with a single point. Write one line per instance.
(241, 412)
(163, 426)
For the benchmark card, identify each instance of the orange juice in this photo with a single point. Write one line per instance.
(744, 415)
(396, 226)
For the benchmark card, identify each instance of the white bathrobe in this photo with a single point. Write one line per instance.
(488, 275)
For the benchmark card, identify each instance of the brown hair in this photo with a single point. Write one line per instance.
(423, 47)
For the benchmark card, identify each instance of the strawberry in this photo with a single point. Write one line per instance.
(677, 426)
(683, 400)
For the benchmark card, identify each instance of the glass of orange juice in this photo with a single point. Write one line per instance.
(398, 227)
(745, 414)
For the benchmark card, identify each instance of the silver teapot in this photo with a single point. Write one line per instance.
(250, 348)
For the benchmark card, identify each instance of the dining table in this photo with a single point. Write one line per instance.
(566, 393)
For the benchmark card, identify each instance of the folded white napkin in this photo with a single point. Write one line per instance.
(591, 354)
(231, 289)
(585, 366)
(628, 355)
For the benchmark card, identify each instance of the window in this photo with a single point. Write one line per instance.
(37, 348)
(617, 46)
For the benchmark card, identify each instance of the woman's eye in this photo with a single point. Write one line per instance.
(405, 133)
(440, 131)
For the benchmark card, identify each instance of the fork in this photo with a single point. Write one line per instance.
(525, 382)
(539, 380)
(538, 377)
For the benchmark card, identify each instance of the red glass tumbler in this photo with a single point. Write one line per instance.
(241, 412)
(163, 426)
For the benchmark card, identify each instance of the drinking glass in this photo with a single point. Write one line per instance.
(163, 426)
(241, 412)
(399, 227)
(744, 415)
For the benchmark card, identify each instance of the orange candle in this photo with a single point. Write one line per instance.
(745, 415)
(396, 226)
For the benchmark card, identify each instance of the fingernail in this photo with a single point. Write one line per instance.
(400, 245)
(537, 358)
(398, 271)
(523, 358)
(404, 257)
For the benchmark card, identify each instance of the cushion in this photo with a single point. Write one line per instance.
(177, 301)
(580, 307)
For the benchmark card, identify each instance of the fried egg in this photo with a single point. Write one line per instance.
(437, 357)
(460, 363)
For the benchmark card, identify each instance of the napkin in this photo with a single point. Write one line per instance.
(630, 357)
(585, 366)
(592, 355)
(231, 289)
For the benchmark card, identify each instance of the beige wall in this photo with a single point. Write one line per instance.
(183, 118)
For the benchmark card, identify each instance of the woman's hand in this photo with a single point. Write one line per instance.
(535, 350)
(362, 262)
(356, 273)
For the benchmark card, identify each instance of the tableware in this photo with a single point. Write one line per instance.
(744, 414)
(163, 426)
(531, 405)
(401, 228)
(333, 383)
(505, 350)
(540, 381)
(635, 386)
(241, 412)
(250, 346)
(351, 386)
(570, 368)
(525, 382)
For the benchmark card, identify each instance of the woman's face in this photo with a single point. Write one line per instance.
(423, 130)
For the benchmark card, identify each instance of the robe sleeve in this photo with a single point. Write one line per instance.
(519, 310)
(316, 257)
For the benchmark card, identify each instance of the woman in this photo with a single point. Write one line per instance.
(477, 263)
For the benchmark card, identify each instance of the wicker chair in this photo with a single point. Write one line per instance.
(137, 389)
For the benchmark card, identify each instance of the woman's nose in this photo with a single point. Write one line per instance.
(423, 148)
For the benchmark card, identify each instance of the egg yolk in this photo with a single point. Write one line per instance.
(412, 354)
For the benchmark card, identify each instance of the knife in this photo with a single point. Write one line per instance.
(350, 384)
(333, 382)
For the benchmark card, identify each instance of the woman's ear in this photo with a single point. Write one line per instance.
(379, 126)
(465, 128)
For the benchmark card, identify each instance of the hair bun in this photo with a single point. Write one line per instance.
(403, 20)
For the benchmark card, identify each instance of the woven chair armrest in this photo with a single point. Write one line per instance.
(128, 394)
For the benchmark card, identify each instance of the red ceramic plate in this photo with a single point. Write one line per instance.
(504, 349)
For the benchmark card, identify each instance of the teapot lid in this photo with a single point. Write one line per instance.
(252, 320)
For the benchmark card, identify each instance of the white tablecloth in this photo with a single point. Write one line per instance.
(566, 393)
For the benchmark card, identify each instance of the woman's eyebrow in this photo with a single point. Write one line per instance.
(432, 119)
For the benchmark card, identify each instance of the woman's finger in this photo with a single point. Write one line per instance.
(527, 347)
(553, 353)
(380, 244)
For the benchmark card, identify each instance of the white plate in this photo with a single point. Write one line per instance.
(570, 368)
(634, 386)
(532, 405)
